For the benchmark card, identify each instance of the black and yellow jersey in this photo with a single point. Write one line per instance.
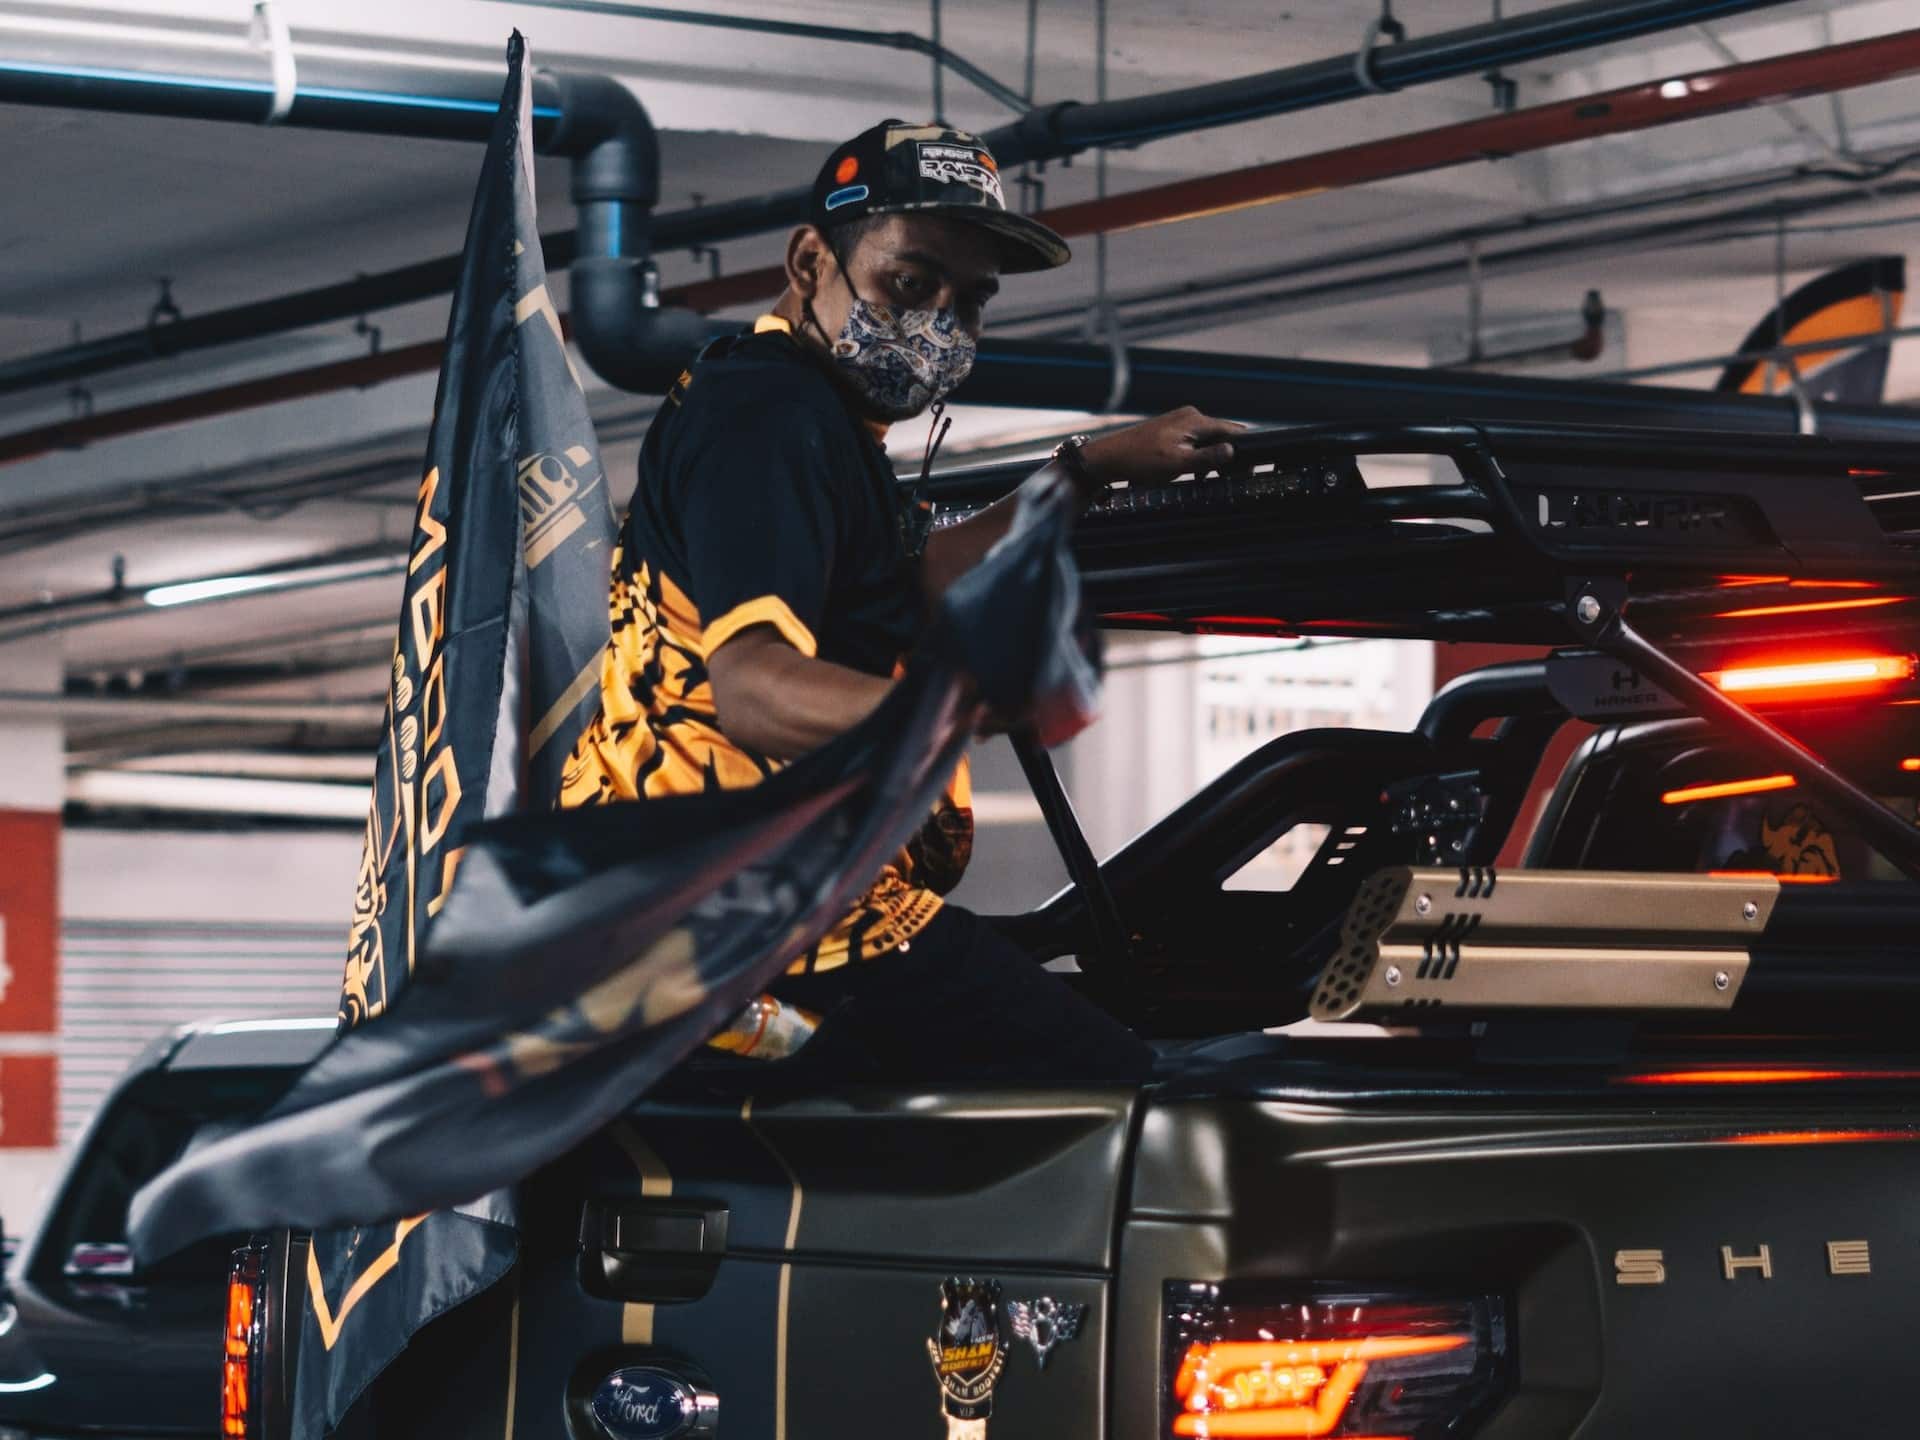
(762, 500)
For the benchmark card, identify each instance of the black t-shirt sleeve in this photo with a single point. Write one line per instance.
(760, 489)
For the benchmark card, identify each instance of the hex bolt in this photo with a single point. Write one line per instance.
(1393, 975)
(1721, 980)
(1750, 911)
(1587, 609)
(1423, 905)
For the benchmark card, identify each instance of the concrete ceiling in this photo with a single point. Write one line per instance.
(103, 205)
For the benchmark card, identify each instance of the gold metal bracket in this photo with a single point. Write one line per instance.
(1470, 941)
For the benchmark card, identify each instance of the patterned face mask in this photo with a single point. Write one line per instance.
(902, 361)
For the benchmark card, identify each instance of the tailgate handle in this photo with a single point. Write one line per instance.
(652, 1250)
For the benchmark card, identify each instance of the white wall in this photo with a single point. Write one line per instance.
(302, 878)
(154, 888)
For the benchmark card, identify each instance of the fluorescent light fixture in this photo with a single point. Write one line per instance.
(289, 577)
(189, 591)
(218, 795)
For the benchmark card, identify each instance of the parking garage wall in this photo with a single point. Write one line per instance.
(159, 928)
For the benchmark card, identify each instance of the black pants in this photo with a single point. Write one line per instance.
(963, 1005)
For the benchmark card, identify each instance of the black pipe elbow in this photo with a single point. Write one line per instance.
(630, 340)
(625, 335)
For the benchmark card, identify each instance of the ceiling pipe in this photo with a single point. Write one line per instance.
(30, 704)
(1069, 315)
(798, 30)
(350, 766)
(623, 331)
(1041, 374)
(120, 600)
(1184, 309)
(1015, 372)
(1629, 109)
(1051, 132)
(1184, 314)
(1050, 375)
(620, 324)
(1589, 344)
(217, 795)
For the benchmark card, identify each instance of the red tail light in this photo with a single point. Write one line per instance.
(239, 1368)
(1249, 1364)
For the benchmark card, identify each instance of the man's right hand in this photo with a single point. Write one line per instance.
(1155, 451)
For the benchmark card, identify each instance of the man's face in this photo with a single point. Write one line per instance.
(915, 262)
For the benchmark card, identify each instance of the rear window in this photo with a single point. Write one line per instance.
(1695, 808)
(144, 1129)
(1782, 833)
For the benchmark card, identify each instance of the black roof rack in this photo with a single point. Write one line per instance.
(1704, 528)
(1670, 552)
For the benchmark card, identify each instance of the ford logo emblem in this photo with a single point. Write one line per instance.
(642, 1402)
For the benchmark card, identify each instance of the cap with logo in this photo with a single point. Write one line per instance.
(897, 169)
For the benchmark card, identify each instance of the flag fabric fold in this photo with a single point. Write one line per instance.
(582, 955)
(518, 977)
(496, 659)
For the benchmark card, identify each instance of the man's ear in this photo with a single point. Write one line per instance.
(808, 256)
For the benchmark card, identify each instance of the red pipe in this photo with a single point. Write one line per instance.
(355, 374)
(1615, 112)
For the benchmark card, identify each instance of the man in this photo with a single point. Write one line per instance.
(770, 579)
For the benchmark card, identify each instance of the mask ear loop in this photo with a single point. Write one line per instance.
(806, 305)
(919, 517)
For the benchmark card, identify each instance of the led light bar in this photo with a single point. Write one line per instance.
(1808, 679)
(1810, 607)
(1473, 941)
(1725, 789)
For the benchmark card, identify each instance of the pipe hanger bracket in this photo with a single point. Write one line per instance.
(268, 31)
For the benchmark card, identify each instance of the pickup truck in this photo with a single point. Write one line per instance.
(1612, 1140)
(90, 1344)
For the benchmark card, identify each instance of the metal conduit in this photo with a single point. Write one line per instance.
(1186, 311)
(1527, 222)
(800, 30)
(241, 90)
(1054, 375)
(357, 713)
(1631, 108)
(1047, 375)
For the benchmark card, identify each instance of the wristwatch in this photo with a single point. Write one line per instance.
(1070, 455)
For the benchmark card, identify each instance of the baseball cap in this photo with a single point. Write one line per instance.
(897, 168)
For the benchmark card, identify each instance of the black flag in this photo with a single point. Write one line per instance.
(583, 954)
(579, 956)
(495, 671)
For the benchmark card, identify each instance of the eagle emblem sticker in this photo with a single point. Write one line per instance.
(1044, 1323)
(967, 1352)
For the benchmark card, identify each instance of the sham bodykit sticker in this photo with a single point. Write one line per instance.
(968, 1353)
